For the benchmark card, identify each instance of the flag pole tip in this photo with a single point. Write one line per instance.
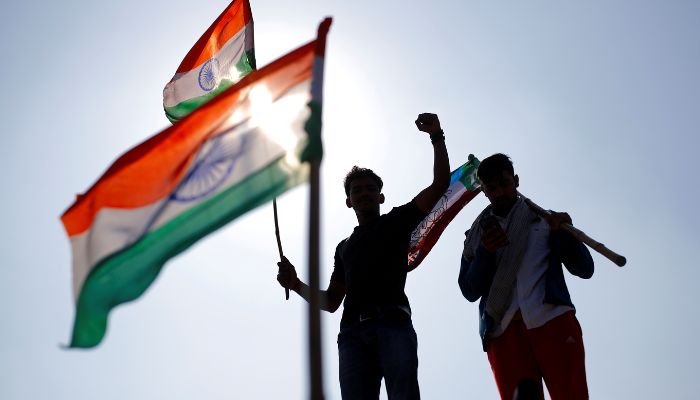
(325, 26)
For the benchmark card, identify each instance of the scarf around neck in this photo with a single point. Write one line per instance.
(508, 258)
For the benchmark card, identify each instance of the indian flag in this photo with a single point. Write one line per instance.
(234, 153)
(464, 186)
(221, 57)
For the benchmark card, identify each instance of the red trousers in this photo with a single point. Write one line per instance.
(553, 352)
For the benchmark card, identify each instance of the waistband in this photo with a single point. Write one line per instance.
(374, 313)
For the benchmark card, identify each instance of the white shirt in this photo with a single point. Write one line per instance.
(528, 293)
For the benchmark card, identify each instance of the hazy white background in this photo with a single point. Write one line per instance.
(597, 102)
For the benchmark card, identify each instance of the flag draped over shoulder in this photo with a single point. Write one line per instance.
(464, 186)
(221, 57)
(235, 152)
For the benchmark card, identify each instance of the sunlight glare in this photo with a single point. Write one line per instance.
(278, 120)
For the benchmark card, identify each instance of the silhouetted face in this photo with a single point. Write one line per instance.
(501, 192)
(364, 195)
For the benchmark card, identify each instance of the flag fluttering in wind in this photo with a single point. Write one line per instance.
(221, 57)
(239, 150)
(464, 186)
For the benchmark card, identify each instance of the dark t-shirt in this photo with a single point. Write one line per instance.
(373, 262)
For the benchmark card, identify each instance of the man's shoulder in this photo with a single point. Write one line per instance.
(409, 208)
(341, 244)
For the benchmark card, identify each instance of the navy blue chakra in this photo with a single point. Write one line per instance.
(208, 74)
(211, 171)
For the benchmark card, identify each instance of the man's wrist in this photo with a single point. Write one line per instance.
(438, 136)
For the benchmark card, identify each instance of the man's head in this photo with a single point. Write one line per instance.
(363, 189)
(499, 182)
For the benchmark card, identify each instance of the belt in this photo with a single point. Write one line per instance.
(381, 312)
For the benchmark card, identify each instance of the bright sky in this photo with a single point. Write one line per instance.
(597, 102)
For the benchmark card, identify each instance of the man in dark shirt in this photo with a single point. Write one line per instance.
(376, 337)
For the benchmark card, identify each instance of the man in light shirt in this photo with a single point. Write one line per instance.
(512, 261)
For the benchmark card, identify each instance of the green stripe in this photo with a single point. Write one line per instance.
(468, 177)
(313, 126)
(181, 110)
(247, 63)
(244, 66)
(124, 276)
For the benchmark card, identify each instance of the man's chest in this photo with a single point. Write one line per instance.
(373, 252)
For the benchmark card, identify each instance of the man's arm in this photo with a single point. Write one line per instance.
(574, 254)
(476, 274)
(331, 298)
(427, 198)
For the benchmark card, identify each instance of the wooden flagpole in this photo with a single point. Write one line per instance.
(279, 241)
(618, 259)
(315, 359)
(314, 293)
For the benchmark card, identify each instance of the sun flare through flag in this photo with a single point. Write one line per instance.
(234, 153)
(221, 57)
(464, 186)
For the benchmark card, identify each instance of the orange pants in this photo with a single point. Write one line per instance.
(553, 352)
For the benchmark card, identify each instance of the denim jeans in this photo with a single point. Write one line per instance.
(378, 348)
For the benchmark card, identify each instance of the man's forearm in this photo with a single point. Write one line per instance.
(427, 198)
(441, 164)
(304, 291)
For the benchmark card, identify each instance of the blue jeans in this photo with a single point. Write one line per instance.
(380, 347)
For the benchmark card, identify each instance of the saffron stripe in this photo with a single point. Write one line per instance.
(236, 16)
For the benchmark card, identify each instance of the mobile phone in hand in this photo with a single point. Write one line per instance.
(491, 230)
(489, 222)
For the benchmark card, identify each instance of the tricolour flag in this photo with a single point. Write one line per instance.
(464, 186)
(234, 153)
(221, 57)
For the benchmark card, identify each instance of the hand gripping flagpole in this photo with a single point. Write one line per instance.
(279, 241)
(580, 235)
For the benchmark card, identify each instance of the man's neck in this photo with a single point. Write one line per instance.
(505, 210)
(364, 218)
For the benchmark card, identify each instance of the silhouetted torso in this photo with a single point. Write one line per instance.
(373, 262)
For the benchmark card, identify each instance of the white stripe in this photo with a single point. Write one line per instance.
(184, 86)
(273, 130)
(113, 229)
(267, 130)
(454, 193)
